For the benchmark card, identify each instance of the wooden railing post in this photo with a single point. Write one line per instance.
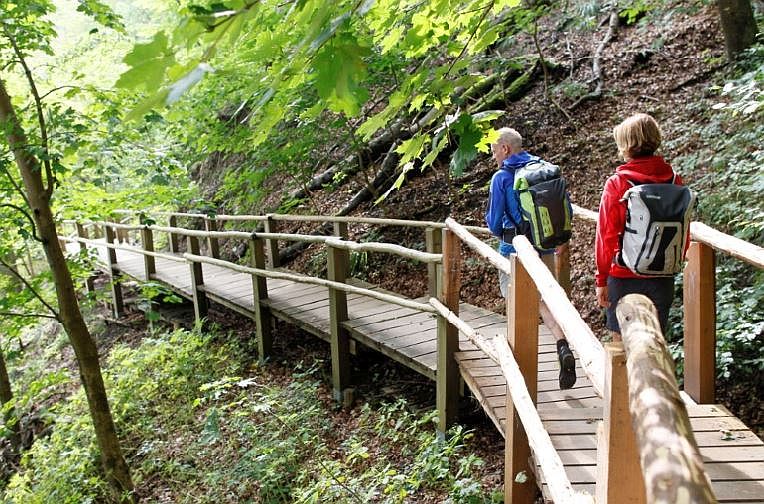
(272, 246)
(211, 225)
(619, 475)
(522, 336)
(116, 286)
(149, 265)
(447, 384)
(341, 230)
(197, 281)
(671, 462)
(260, 293)
(173, 238)
(562, 267)
(700, 323)
(83, 233)
(337, 271)
(434, 245)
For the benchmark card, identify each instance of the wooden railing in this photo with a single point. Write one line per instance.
(699, 300)
(619, 447)
(337, 251)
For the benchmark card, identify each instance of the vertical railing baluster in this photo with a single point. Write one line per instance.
(272, 246)
(213, 245)
(173, 238)
(116, 286)
(83, 233)
(263, 319)
(619, 474)
(199, 296)
(337, 271)
(699, 292)
(433, 245)
(447, 377)
(147, 241)
(522, 336)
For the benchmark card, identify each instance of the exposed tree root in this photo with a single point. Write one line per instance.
(597, 61)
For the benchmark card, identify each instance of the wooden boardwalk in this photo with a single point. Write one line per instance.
(732, 454)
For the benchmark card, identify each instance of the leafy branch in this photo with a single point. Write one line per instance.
(29, 218)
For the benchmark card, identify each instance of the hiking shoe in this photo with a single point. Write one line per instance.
(567, 365)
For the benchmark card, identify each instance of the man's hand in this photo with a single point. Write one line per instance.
(602, 297)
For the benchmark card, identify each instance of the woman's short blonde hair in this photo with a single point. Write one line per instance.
(639, 135)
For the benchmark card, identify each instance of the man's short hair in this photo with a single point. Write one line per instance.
(509, 136)
(639, 135)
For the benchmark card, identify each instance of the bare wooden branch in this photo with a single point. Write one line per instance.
(597, 60)
(671, 462)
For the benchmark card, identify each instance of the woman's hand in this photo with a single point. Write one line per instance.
(602, 297)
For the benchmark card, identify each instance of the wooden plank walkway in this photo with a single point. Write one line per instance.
(735, 466)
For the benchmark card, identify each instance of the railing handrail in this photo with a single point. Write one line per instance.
(497, 349)
(104, 243)
(650, 370)
(309, 218)
(703, 233)
(281, 275)
(576, 330)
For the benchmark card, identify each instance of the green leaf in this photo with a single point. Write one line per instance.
(339, 69)
(148, 64)
(412, 148)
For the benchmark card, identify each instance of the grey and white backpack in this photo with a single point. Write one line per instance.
(657, 225)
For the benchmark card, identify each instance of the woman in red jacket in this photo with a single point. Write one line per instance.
(637, 138)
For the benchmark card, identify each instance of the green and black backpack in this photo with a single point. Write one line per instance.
(544, 204)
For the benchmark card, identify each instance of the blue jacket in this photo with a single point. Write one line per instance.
(503, 201)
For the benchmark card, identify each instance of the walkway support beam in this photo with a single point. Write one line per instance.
(700, 323)
(116, 286)
(197, 282)
(669, 455)
(619, 476)
(263, 320)
(337, 271)
(447, 379)
(522, 336)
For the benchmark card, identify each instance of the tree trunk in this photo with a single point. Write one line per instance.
(738, 25)
(114, 465)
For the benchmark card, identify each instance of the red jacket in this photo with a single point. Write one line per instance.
(612, 214)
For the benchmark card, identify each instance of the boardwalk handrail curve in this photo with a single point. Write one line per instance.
(98, 243)
(497, 349)
(308, 218)
(334, 241)
(406, 303)
(669, 456)
(576, 330)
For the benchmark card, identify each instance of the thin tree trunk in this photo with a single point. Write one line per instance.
(114, 465)
(738, 25)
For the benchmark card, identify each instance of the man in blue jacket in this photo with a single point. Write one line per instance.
(504, 219)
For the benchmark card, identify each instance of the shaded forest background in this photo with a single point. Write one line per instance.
(381, 110)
